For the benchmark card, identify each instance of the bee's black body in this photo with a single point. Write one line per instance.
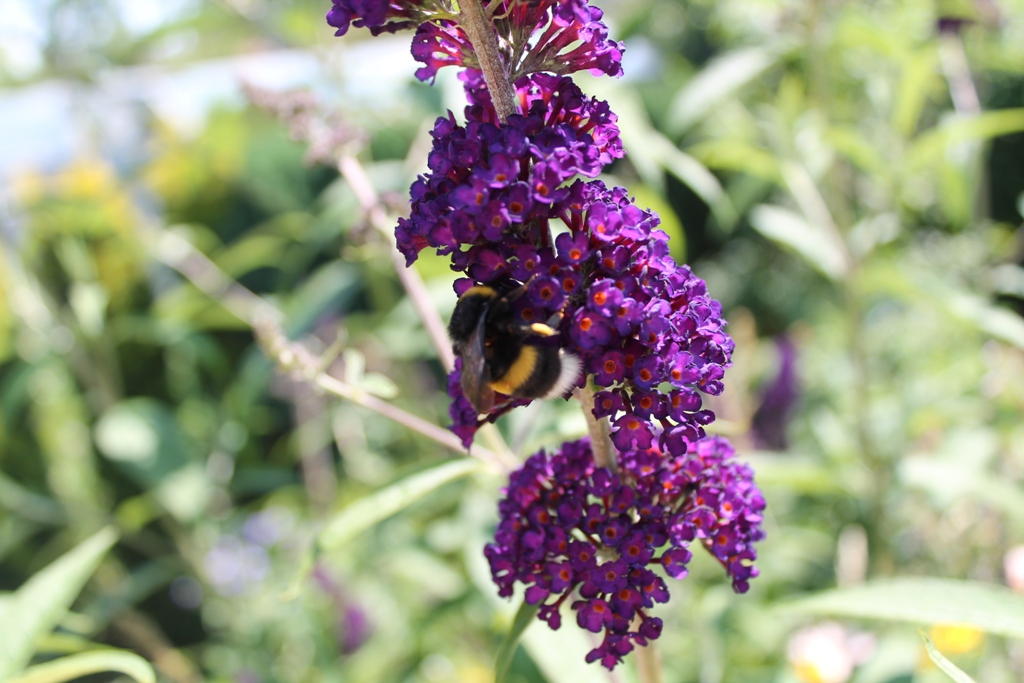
(499, 355)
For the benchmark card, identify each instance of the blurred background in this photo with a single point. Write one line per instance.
(847, 176)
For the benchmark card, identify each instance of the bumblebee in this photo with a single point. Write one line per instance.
(499, 355)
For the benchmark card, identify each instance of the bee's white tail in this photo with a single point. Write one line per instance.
(568, 376)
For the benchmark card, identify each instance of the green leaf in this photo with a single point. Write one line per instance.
(77, 666)
(794, 232)
(917, 82)
(925, 600)
(999, 322)
(848, 141)
(329, 288)
(948, 667)
(377, 507)
(929, 146)
(39, 605)
(804, 474)
(250, 253)
(524, 617)
(717, 81)
(29, 505)
(695, 175)
(738, 155)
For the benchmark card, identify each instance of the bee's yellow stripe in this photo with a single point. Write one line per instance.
(519, 373)
(480, 290)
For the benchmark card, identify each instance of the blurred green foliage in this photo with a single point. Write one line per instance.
(820, 163)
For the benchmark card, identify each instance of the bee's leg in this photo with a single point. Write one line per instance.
(545, 329)
(521, 289)
(540, 330)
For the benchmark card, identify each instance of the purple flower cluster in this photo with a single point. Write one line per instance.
(488, 181)
(570, 529)
(558, 36)
(644, 326)
(514, 204)
(639, 321)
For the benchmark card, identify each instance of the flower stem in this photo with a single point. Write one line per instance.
(648, 664)
(600, 437)
(480, 31)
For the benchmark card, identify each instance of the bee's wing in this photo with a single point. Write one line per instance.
(476, 378)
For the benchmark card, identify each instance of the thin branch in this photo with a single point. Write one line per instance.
(299, 361)
(264, 318)
(958, 74)
(144, 635)
(178, 253)
(369, 201)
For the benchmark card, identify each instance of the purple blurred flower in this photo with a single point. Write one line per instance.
(352, 625)
(235, 566)
(268, 527)
(569, 528)
(353, 628)
(778, 399)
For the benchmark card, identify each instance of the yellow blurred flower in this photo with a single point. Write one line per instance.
(187, 171)
(86, 179)
(6, 315)
(956, 639)
(85, 216)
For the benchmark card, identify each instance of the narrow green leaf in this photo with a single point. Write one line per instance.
(716, 82)
(77, 666)
(947, 667)
(524, 617)
(803, 474)
(917, 82)
(991, 319)
(925, 600)
(794, 232)
(852, 145)
(930, 145)
(29, 505)
(250, 253)
(738, 155)
(39, 605)
(695, 175)
(377, 507)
